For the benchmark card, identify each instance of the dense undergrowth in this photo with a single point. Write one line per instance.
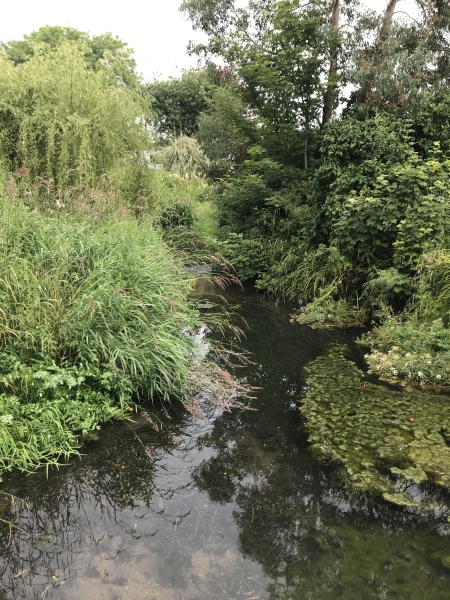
(329, 161)
(94, 316)
(96, 307)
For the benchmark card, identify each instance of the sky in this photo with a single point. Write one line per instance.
(155, 29)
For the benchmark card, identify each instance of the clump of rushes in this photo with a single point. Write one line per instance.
(93, 316)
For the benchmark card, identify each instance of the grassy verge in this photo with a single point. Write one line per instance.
(94, 315)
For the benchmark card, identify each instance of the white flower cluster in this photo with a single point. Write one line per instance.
(395, 365)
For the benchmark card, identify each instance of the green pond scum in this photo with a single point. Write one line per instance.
(387, 442)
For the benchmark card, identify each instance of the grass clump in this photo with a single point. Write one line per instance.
(94, 315)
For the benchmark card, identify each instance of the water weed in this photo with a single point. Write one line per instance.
(387, 442)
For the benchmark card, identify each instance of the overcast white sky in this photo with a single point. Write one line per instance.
(155, 29)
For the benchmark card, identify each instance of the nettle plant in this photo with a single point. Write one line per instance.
(401, 216)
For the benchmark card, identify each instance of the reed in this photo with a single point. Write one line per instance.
(94, 315)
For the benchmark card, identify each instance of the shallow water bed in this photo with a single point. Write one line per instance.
(233, 507)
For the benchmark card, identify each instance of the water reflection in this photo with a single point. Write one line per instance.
(232, 507)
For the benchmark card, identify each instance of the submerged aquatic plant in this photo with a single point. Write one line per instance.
(326, 313)
(384, 440)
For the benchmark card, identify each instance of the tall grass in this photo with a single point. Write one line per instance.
(323, 272)
(109, 294)
(92, 316)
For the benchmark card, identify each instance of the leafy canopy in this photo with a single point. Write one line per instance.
(104, 49)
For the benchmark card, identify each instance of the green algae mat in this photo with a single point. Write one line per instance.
(387, 442)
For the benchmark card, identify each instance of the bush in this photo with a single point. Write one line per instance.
(415, 346)
(250, 257)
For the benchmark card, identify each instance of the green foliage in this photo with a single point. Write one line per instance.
(251, 200)
(93, 316)
(432, 122)
(385, 287)
(65, 122)
(71, 291)
(379, 223)
(415, 346)
(281, 51)
(178, 103)
(284, 78)
(322, 273)
(416, 365)
(250, 258)
(225, 132)
(99, 51)
(205, 217)
(43, 409)
(396, 62)
(354, 153)
(178, 215)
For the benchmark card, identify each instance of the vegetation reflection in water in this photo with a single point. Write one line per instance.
(231, 507)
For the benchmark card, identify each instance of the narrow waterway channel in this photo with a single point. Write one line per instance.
(232, 507)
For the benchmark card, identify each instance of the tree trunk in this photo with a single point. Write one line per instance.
(305, 150)
(330, 94)
(378, 55)
(390, 9)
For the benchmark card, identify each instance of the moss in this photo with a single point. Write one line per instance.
(387, 442)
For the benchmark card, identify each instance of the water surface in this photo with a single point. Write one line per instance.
(232, 507)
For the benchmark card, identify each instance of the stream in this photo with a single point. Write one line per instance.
(230, 507)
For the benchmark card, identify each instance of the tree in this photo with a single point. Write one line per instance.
(287, 55)
(64, 121)
(398, 60)
(100, 50)
(226, 131)
(332, 81)
(178, 102)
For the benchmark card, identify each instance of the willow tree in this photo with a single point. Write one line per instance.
(65, 122)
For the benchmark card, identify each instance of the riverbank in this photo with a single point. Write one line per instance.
(225, 506)
(96, 316)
